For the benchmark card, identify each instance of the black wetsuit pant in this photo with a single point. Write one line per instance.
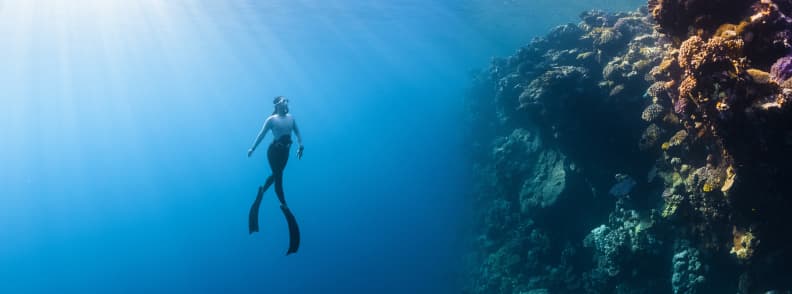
(278, 156)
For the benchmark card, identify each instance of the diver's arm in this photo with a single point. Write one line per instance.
(297, 132)
(299, 139)
(260, 136)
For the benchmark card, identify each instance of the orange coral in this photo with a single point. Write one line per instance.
(691, 53)
(687, 86)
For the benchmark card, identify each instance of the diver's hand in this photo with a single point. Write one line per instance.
(250, 152)
(300, 151)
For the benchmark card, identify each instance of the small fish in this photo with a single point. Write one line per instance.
(623, 186)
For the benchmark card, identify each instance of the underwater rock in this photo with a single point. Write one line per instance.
(545, 182)
(650, 137)
(563, 36)
(539, 91)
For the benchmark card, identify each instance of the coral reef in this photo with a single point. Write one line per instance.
(622, 245)
(697, 93)
(727, 74)
(538, 192)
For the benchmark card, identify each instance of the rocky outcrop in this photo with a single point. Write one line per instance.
(555, 123)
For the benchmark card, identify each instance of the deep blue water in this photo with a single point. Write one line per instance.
(125, 126)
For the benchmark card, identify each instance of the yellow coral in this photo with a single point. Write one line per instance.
(759, 76)
(671, 206)
(741, 27)
(665, 146)
(669, 209)
(721, 106)
(729, 182)
(707, 188)
(744, 244)
(678, 138)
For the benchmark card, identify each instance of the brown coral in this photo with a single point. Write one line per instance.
(686, 89)
(658, 92)
(691, 53)
(677, 139)
(653, 112)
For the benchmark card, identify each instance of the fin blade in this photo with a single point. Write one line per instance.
(253, 225)
(294, 230)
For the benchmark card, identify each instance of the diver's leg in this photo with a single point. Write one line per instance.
(278, 162)
(254, 209)
(279, 188)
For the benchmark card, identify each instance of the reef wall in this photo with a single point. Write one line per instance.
(641, 152)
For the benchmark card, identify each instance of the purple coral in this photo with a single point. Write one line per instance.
(680, 105)
(782, 69)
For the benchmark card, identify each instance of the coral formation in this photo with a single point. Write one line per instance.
(653, 112)
(703, 87)
(688, 270)
(744, 244)
(731, 103)
(626, 236)
(781, 70)
(579, 84)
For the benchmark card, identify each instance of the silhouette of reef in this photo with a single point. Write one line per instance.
(689, 98)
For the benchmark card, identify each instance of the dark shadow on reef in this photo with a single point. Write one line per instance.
(641, 152)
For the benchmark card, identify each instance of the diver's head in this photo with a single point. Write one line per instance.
(281, 105)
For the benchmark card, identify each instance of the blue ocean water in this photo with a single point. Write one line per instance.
(125, 126)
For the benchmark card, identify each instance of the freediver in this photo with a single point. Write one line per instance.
(282, 124)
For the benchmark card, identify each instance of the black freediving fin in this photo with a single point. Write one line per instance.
(294, 230)
(254, 210)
